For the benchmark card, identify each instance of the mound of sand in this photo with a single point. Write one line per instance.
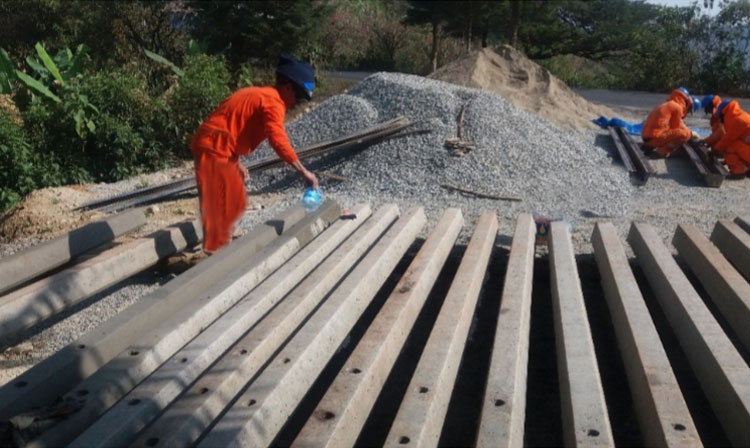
(508, 73)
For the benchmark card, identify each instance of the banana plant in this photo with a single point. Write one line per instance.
(162, 60)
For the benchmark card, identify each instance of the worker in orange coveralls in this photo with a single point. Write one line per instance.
(664, 129)
(735, 144)
(710, 104)
(237, 127)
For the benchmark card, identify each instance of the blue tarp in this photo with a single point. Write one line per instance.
(633, 128)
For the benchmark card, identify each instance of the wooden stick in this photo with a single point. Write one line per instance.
(481, 195)
(460, 121)
(332, 176)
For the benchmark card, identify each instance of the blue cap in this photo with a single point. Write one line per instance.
(300, 73)
(720, 109)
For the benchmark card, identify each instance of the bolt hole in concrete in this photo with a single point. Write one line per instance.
(423, 390)
(134, 402)
(679, 427)
(328, 415)
(403, 440)
(356, 370)
(286, 360)
(183, 360)
(593, 433)
(82, 392)
(251, 402)
(243, 352)
(21, 384)
(499, 403)
(134, 353)
(81, 346)
(153, 441)
(204, 390)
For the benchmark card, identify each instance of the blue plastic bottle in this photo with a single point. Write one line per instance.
(311, 199)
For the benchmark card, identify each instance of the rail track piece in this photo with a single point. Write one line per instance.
(261, 411)
(662, 413)
(716, 170)
(42, 299)
(584, 411)
(641, 163)
(734, 243)
(721, 371)
(120, 425)
(188, 417)
(422, 412)
(728, 290)
(711, 178)
(744, 222)
(622, 151)
(23, 266)
(504, 406)
(342, 412)
(104, 388)
(56, 375)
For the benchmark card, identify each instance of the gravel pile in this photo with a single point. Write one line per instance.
(557, 173)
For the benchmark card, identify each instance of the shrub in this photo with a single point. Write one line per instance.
(198, 92)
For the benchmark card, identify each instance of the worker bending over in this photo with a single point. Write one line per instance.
(710, 104)
(664, 129)
(236, 128)
(735, 144)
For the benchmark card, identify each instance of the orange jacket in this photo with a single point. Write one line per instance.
(736, 126)
(242, 122)
(666, 116)
(717, 131)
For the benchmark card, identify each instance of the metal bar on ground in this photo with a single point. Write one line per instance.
(342, 412)
(728, 290)
(45, 298)
(711, 178)
(504, 405)
(120, 425)
(56, 375)
(721, 371)
(734, 243)
(662, 413)
(624, 154)
(641, 163)
(584, 411)
(262, 410)
(44, 257)
(744, 222)
(188, 417)
(422, 412)
(104, 388)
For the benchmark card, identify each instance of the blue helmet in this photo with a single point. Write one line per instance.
(696, 103)
(685, 91)
(300, 73)
(708, 100)
(720, 109)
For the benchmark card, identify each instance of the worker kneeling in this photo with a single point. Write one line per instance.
(735, 143)
(664, 129)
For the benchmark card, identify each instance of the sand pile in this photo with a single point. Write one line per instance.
(508, 73)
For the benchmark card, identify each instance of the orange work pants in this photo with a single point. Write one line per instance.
(737, 157)
(221, 192)
(668, 141)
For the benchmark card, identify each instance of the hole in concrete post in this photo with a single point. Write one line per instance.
(423, 390)
(593, 433)
(243, 352)
(153, 441)
(356, 370)
(679, 427)
(134, 402)
(203, 390)
(183, 360)
(81, 346)
(286, 360)
(251, 402)
(82, 392)
(499, 403)
(20, 384)
(327, 415)
(403, 440)
(134, 353)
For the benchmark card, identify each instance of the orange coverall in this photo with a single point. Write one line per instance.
(664, 129)
(717, 128)
(735, 144)
(235, 128)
